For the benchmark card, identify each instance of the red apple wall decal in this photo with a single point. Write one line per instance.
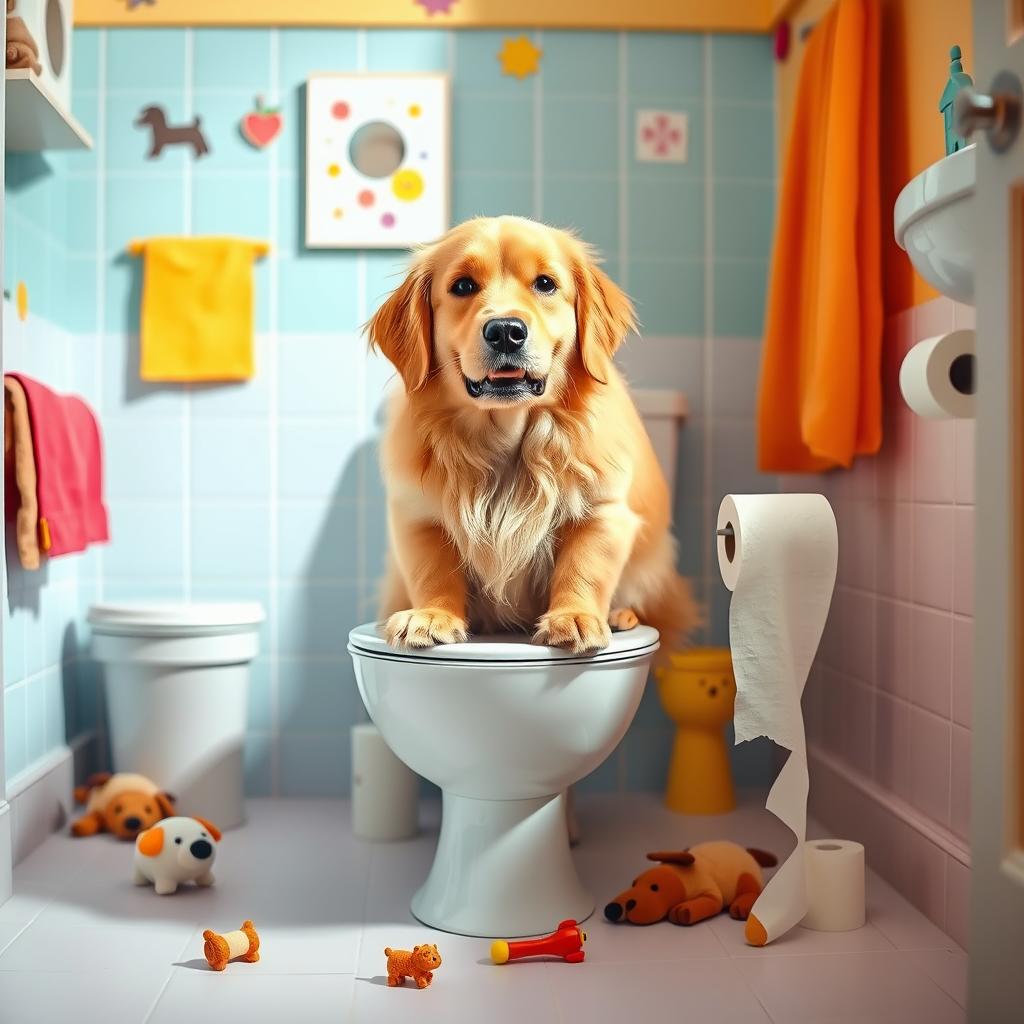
(261, 126)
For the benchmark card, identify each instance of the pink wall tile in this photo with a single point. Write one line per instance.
(930, 743)
(834, 696)
(922, 873)
(958, 879)
(963, 670)
(858, 643)
(892, 745)
(931, 639)
(963, 560)
(830, 648)
(935, 461)
(859, 731)
(858, 543)
(933, 555)
(895, 521)
(964, 317)
(960, 783)
(935, 317)
(965, 462)
(893, 647)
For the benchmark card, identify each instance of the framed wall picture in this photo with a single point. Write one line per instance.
(377, 160)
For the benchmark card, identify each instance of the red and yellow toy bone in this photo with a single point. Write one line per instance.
(565, 942)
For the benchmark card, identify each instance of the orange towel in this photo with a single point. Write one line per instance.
(820, 397)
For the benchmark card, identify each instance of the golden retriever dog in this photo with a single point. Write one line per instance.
(523, 491)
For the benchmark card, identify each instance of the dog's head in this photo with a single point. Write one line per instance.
(426, 957)
(128, 814)
(190, 843)
(654, 893)
(503, 310)
(150, 115)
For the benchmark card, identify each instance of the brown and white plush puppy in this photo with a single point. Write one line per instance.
(124, 805)
(523, 490)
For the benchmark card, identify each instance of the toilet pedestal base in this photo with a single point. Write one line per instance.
(502, 869)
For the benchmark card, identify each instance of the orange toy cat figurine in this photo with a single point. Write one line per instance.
(419, 965)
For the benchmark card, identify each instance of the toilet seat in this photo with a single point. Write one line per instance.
(369, 641)
(168, 618)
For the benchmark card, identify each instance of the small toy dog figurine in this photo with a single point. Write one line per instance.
(175, 851)
(419, 965)
(123, 805)
(565, 942)
(241, 945)
(691, 885)
(168, 135)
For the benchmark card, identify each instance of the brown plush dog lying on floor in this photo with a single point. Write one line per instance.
(690, 885)
(122, 804)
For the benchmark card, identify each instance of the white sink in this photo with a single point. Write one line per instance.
(932, 221)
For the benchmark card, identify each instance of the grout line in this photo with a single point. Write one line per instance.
(273, 505)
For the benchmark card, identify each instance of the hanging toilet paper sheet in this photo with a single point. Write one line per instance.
(777, 553)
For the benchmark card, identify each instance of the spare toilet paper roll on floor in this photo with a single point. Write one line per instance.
(937, 376)
(777, 553)
(835, 885)
(385, 791)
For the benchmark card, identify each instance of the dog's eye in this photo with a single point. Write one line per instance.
(117, 809)
(464, 286)
(545, 285)
(654, 887)
(178, 840)
(149, 810)
(203, 834)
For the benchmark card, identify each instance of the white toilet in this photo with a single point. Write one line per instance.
(503, 728)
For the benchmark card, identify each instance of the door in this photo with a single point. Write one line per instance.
(996, 991)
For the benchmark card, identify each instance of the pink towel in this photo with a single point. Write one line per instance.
(69, 468)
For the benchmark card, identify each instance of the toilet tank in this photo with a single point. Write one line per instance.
(663, 412)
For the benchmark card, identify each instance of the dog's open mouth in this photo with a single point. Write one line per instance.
(506, 382)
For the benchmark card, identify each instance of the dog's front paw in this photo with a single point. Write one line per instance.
(425, 627)
(579, 632)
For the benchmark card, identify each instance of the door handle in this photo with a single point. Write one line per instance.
(997, 113)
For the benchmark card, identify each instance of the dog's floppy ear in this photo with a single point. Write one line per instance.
(210, 827)
(166, 804)
(150, 842)
(604, 315)
(682, 857)
(403, 327)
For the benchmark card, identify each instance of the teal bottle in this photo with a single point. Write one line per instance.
(958, 79)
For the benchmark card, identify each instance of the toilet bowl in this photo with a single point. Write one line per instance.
(503, 727)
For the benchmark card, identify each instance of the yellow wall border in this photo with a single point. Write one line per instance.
(649, 15)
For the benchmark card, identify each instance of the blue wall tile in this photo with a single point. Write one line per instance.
(139, 208)
(234, 59)
(665, 66)
(739, 297)
(744, 142)
(742, 67)
(406, 50)
(261, 697)
(385, 271)
(318, 459)
(143, 457)
(15, 731)
(492, 134)
(230, 457)
(145, 58)
(589, 205)
(315, 765)
(666, 219)
(580, 63)
(318, 293)
(231, 204)
(258, 774)
(221, 115)
(318, 541)
(581, 134)
(85, 73)
(305, 51)
(35, 718)
(477, 68)
(318, 696)
(492, 195)
(145, 540)
(315, 375)
(314, 619)
(126, 143)
(229, 540)
(743, 220)
(669, 296)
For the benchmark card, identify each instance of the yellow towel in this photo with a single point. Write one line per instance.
(197, 308)
(820, 397)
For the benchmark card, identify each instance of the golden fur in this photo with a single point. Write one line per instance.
(544, 512)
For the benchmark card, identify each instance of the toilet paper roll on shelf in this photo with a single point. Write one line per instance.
(835, 885)
(937, 376)
(778, 554)
(385, 791)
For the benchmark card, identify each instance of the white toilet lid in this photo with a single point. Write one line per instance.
(159, 617)
(508, 647)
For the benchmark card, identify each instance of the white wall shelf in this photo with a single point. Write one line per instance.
(35, 119)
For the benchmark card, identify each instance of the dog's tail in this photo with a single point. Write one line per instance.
(388, 951)
(763, 857)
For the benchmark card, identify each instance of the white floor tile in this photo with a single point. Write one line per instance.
(856, 988)
(37, 997)
(947, 968)
(902, 924)
(241, 993)
(799, 941)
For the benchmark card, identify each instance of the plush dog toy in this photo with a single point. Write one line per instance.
(419, 965)
(177, 850)
(241, 945)
(121, 804)
(691, 885)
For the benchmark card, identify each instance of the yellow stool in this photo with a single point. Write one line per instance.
(698, 693)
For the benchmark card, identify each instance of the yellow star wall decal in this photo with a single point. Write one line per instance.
(519, 57)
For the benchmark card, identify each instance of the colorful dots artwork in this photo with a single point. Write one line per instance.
(661, 136)
(377, 160)
(519, 57)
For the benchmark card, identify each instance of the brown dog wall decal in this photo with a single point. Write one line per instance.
(164, 134)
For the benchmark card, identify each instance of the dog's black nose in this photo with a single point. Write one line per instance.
(200, 849)
(505, 334)
(630, 904)
(613, 911)
(132, 823)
